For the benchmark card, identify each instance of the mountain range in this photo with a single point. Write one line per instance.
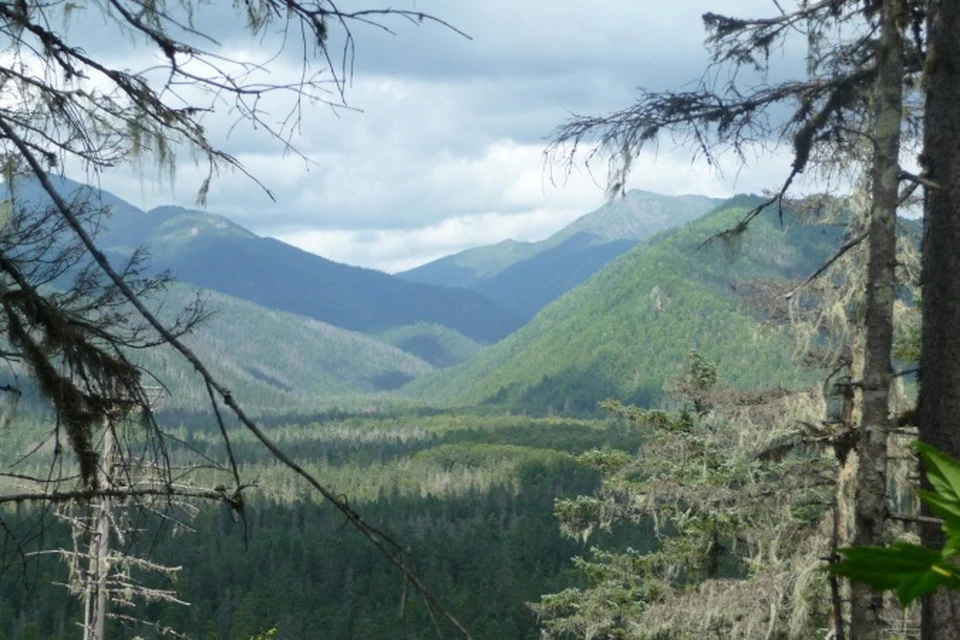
(608, 306)
(210, 251)
(526, 276)
(626, 331)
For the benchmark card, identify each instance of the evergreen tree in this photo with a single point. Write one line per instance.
(863, 59)
(939, 402)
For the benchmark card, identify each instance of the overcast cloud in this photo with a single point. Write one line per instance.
(445, 152)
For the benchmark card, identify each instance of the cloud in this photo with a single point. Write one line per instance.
(394, 250)
(447, 150)
(529, 208)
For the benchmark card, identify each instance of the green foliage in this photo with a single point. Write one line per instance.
(702, 372)
(471, 496)
(913, 571)
(907, 341)
(736, 536)
(434, 343)
(622, 333)
(910, 570)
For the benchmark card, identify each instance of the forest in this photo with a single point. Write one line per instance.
(471, 496)
(678, 416)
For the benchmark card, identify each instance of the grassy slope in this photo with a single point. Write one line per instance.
(627, 329)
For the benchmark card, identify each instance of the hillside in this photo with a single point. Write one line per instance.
(274, 362)
(627, 329)
(525, 276)
(436, 344)
(209, 251)
(468, 267)
(635, 216)
(528, 286)
(277, 275)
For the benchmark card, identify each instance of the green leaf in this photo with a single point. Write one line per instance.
(943, 507)
(910, 570)
(943, 472)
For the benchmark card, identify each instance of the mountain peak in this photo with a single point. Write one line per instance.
(636, 215)
(523, 276)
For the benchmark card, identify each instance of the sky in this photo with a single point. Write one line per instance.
(442, 146)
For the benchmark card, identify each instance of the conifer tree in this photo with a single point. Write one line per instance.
(863, 62)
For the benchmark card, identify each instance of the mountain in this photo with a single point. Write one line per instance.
(277, 275)
(274, 362)
(525, 276)
(438, 345)
(637, 215)
(209, 251)
(528, 286)
(468, 267)
(168, 230)
(626, 330)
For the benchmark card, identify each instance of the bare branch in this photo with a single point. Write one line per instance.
(847, 246)
(390, 548)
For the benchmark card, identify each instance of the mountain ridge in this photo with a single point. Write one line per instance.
(525, 276)
(632, 217)
(626, 330)
(212, 252)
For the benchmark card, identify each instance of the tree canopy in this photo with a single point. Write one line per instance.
(70, 316)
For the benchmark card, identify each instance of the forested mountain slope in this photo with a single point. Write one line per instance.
(633, 217)
(625, 331)
(528, 286)
(273, 274)
(275, 362)
(438, 345)
(526, 276)
(211, 252)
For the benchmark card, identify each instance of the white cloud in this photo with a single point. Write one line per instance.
(447, 152)
(395, 250)
(525, 206)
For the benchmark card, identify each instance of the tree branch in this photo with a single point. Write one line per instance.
(391, 549)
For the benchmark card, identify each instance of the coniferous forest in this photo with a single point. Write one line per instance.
(669, 416)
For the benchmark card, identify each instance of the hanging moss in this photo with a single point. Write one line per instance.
(96, 384)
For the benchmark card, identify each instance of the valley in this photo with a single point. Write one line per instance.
(455, 405)
(470, 496)
(479, 321)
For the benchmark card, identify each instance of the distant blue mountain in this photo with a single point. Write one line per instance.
(210, 251)
(528, 286)
(526, 276)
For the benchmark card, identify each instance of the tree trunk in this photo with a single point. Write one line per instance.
(939, 404)
(95, 602)
(871, 495)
